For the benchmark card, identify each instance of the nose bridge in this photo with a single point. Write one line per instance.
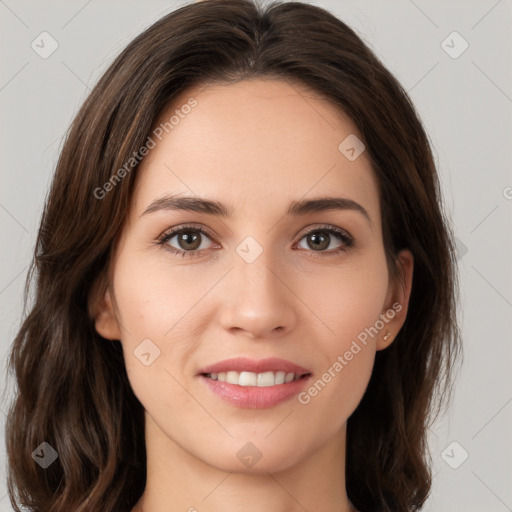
(254, 273)
(258, 302)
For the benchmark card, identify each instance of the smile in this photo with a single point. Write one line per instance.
(260, 380)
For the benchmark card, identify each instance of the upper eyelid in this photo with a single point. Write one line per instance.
(172, 232)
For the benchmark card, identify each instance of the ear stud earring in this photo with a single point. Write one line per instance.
(386, 336)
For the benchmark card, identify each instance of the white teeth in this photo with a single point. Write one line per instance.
(232, 377)
(246, 379)
(265, 379)
(260, 380)
(279, 378)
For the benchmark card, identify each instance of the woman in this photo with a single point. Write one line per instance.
(245, 282)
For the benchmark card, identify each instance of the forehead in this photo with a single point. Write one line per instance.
(255, 145)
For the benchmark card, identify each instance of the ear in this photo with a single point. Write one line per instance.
(101, 309)
(397, 301)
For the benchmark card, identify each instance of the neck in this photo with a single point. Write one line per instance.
(179, 481)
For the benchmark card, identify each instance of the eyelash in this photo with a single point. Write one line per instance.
(339, 233)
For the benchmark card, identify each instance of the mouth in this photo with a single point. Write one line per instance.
(252, 379)
(254, 384)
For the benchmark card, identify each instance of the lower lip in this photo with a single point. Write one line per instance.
(254, 397)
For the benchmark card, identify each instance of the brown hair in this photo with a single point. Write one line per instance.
(73, 391)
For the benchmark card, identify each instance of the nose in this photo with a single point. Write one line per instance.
(257, 299)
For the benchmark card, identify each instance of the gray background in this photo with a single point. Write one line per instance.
(466, 106)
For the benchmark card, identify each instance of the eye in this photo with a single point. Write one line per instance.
(320, 238)
(188, 239)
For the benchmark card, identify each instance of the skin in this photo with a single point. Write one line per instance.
(254, 146)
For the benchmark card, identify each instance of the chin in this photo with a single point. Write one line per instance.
(266, 464)
(256, 456)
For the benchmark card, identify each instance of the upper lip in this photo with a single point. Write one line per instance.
(244, 364)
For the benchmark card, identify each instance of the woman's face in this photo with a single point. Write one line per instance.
(258, 285)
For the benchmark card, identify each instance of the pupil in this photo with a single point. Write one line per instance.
(185, 237)
(320, 246)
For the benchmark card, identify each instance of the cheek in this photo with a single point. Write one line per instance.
(349, 303)
(156, 308)
(349, 299)
(155, 300)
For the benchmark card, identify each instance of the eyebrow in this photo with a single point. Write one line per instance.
(296, 208)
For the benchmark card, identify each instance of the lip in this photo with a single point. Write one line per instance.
(244, 364)
(254, 397)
